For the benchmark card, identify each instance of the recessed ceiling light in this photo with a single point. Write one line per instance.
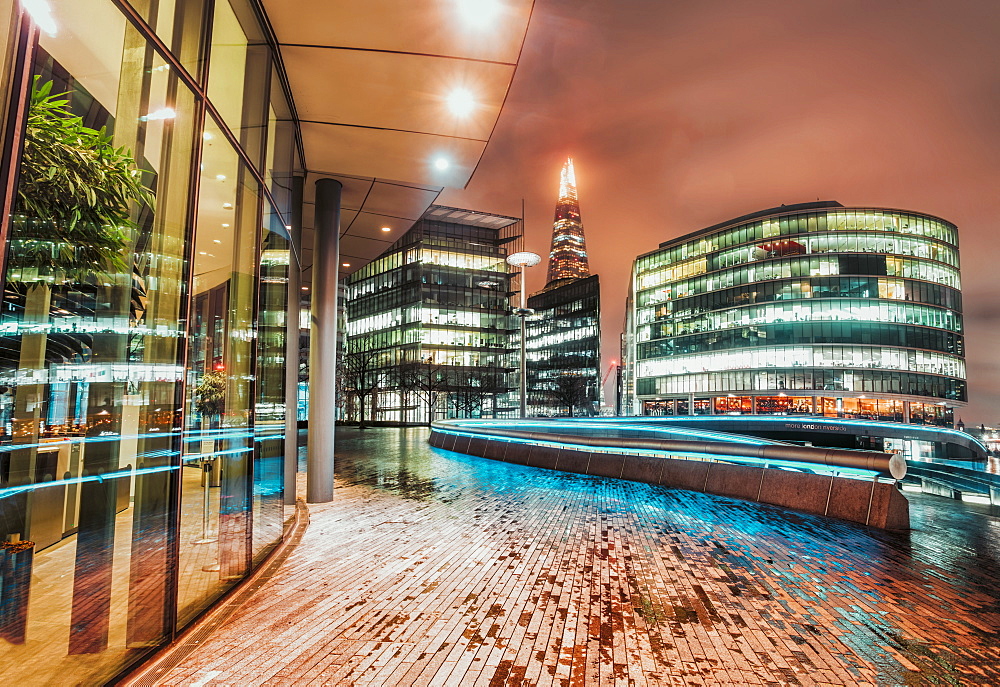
(346, 264)
(216, 241)
(201, 252)
(460, 102)
(225, 226)
(478, 13)
(441, 163)
(386, 228)
(208, 136)
(227, 206)
(305, 288)
(220, 177)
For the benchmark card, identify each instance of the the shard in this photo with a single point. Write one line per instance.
(568, 257)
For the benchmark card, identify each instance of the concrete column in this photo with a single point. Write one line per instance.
(906, 412)
(690, 404)
(292, 352)
(323, 343)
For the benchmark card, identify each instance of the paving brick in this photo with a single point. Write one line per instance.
(434, 568)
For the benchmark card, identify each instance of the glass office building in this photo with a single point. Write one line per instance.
(564, 347)
(429, 322)
(810, 309)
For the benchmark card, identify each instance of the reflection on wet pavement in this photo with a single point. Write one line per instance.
(432, 567)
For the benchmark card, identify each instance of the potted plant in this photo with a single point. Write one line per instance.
(210, 394)
(72, 217)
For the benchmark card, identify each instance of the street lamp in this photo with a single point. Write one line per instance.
(523, 260)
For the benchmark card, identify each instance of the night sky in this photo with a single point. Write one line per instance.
(683, 114)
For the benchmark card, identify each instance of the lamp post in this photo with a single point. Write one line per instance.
(523, 260)
(618, 389)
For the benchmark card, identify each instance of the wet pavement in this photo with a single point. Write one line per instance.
(435, 568)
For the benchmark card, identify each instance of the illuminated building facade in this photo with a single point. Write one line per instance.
(810, 309)
(564, 347)
(568, 257)
(157, 219)
(563, 337)
(436, 306)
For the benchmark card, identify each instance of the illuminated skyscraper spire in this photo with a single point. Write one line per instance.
(568, 257)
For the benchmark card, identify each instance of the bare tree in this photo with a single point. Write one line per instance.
(402, 378)
(570, 390)
(467, 392)
(428, 380)
(491, 380)
(361, 370)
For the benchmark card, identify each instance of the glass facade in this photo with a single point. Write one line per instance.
(564, 347)
(142, 398)
(811, 309)
(430, 330)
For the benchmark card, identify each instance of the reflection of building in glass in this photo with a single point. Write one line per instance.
(563, 336)
(812, 309)
(156, 222)
(435, 306)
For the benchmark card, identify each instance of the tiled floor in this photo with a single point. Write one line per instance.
(434, 568)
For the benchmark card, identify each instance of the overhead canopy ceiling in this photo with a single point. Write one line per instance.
(374, 82)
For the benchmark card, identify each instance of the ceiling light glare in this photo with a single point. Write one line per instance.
(478, 14)
(225, 226)
(220, 177)
(461, 103)
(208, 136)
(386, 228)
(162, 113)
(346, 264)
(216, 241)
(41, 14)
(441, 164)
(227, 206)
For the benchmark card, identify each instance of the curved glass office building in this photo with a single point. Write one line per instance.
(809, 309)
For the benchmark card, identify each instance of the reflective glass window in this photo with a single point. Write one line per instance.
(216, 481)
(92, 368)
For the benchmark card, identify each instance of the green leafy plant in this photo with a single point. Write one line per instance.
(72, 216)
(210, 394)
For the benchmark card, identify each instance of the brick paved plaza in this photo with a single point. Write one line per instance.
(434, 568)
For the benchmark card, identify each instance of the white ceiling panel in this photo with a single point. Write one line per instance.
(370, 81)
(396, 90)
(392, 155)
(471, 29)
(397, 200)
(371, 226)
(360, 248)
